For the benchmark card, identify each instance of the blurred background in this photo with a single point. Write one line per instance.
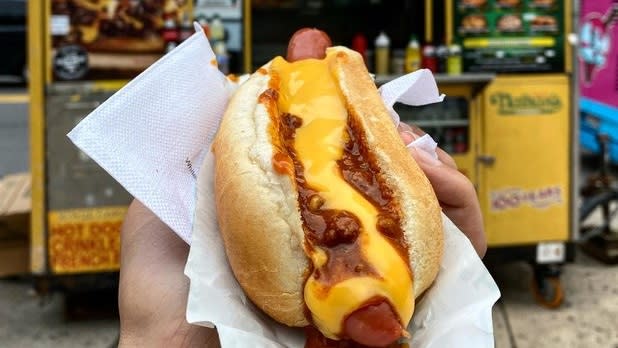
(531, 118)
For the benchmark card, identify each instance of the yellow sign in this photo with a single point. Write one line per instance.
(85, 240)
(525, 188)
(509, 42)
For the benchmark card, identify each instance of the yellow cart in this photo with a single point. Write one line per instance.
(513, 137)
(75, 64)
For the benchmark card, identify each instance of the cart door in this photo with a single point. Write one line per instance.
(524, 164)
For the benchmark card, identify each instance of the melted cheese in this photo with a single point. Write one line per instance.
(309, 90)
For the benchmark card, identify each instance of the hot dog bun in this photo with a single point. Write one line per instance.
(258, 208)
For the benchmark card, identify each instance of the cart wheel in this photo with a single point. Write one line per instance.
(548, 291)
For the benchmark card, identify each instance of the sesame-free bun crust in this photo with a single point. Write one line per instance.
(258, 211)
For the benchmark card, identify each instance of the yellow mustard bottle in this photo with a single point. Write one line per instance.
(382, 54)
(413, 55)
(454, 65)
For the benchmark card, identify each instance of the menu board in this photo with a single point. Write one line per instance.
(103, 39)
(510, 35)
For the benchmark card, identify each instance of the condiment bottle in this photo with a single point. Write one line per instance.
(223, 58)
(359, 44)
(441, 58)
(170, 33)
(413, 55)
(186, 29)
(382, 44)
(217, 30)
(429, 60)
(455, 65)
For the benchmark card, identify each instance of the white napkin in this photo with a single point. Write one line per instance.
(153, 135)
(417, 88)
(455, 311)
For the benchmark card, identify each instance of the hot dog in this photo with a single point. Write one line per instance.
(326, 219)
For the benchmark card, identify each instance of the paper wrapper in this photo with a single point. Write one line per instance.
(154, 136)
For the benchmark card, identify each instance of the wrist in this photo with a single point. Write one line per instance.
(184, 335)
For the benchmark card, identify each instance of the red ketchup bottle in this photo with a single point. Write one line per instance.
(430, 59)
(359, 44)
(170, 32)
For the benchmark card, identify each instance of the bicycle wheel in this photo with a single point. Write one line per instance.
(599, 214)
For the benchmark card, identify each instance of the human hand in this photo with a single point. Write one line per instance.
(455, 192)
(153, 289)
(152, 297)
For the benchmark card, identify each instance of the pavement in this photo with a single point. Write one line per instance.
(587, 318)
(31, 321)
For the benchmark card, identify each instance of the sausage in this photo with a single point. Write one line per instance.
(375, 325)
(308, 43)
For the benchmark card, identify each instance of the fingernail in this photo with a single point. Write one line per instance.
(418, 131)
(408, 136)
(425, 157)
(404, 127)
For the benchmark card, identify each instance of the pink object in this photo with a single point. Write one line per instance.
(598, 51)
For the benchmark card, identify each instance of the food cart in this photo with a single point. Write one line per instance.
(508, 119)
(524, 155)
(81, 53)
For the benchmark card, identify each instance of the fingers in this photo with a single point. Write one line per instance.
(410, 133)
(457, 197)
(454, 191)
(152, 262)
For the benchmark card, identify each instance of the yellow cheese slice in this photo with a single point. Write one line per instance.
(309, 90)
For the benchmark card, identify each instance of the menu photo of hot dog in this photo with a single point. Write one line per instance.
(544, 23)
(474, 24)
(508, 3)
(541, 3)
(111, 34)
(472, 3)
(510, 23)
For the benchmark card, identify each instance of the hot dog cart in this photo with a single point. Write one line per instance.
(82, 52)
(522, 157)
(507, 120)
(509, 116)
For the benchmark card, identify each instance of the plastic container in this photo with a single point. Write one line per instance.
(455, 64)
(359, 44)
(413, 55)
(429, 60)
(217, 30)
(382, 54)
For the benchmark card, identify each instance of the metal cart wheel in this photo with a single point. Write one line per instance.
(546, 286)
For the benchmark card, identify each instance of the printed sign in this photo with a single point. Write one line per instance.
(514, 198)
(85, 240)
(598, 51)
(526, 103)
(113, 39)
(510, 35)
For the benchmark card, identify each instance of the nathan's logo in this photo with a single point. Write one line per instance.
(526, 104)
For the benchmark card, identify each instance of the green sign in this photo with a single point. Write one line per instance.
(510, 35)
